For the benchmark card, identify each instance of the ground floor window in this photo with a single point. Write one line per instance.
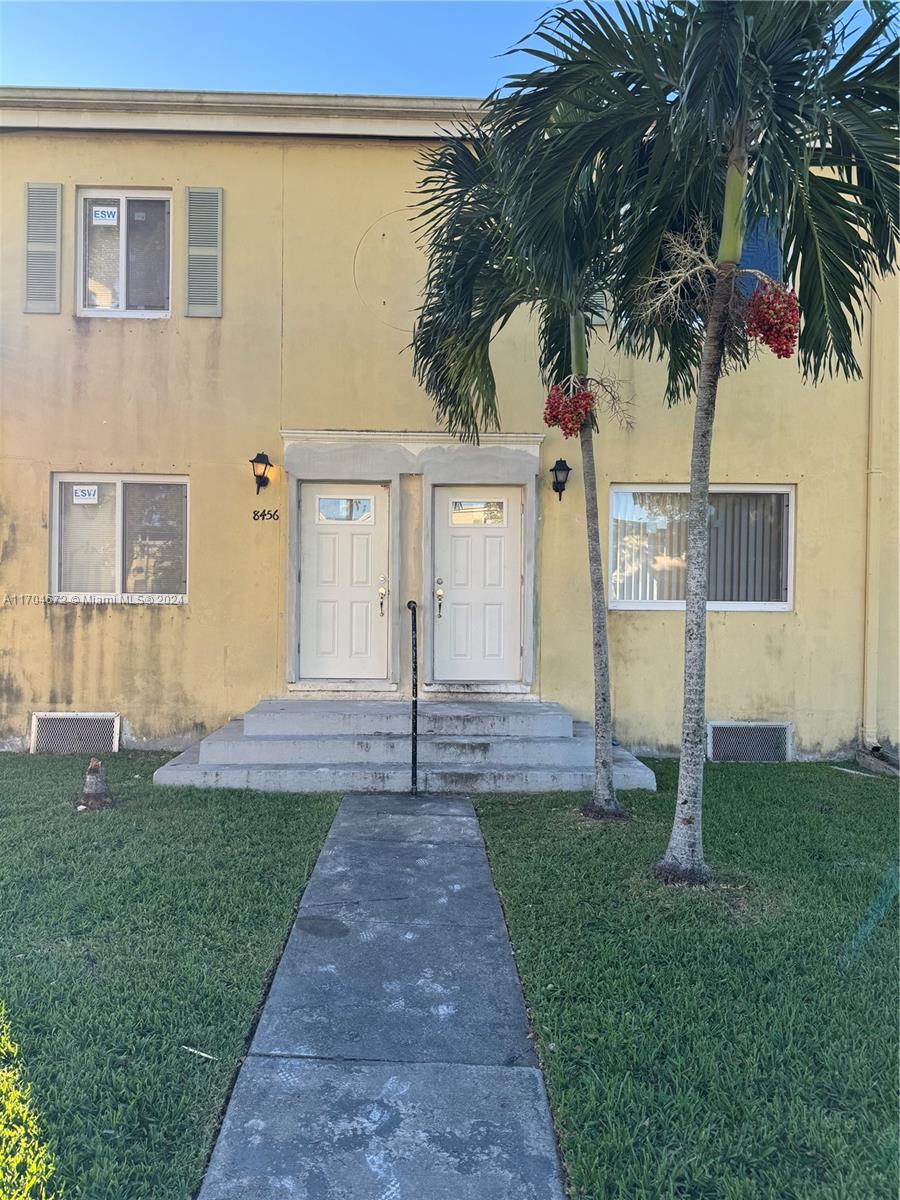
(119, 536)
(750, 554)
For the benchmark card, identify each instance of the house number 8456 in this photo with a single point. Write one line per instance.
(265, 514)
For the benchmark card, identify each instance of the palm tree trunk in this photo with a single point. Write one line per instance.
(603, 802)
(683, 860)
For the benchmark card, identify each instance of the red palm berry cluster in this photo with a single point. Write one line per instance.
(773, 316)
(567, 412)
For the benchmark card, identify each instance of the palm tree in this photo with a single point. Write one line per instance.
(698, 121)
(475, 282)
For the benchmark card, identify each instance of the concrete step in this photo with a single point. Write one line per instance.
(188, 771)
(368, 718)
(231, 745)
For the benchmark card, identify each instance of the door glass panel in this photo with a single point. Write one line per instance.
(147, 250)
(360, 509)
(101, 253)
(477, 512)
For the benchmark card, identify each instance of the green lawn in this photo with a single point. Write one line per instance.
(128, 935)
(708, 1043)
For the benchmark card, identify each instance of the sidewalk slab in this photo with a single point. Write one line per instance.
(363, 804)
(392, 1058)
(365, 988)
(420, 882)
(405, 825)
(381, 1131)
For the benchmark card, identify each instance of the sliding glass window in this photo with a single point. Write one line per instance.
(750, 547)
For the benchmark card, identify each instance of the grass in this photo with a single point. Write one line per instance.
(26, 1167)
(128, 935)
(713, 1043)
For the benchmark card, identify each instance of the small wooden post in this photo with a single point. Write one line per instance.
(96, 793)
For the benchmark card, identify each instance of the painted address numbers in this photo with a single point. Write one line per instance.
(265, 514)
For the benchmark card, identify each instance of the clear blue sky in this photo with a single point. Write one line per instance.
(398, 47)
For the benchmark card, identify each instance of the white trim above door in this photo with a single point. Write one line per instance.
(477, 585)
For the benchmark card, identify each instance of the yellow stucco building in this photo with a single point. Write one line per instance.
(190, 279)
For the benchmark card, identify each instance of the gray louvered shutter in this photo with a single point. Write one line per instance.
(204, 252)
(43, 220)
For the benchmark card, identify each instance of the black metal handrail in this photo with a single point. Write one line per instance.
(414, 732)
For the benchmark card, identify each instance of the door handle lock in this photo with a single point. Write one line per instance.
(439, 596)
(382, 592)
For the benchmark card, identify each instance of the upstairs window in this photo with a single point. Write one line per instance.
(120, 538)
(124, 253)
(751, 534)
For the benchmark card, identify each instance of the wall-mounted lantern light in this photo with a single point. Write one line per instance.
(560, 472)
(261, 466)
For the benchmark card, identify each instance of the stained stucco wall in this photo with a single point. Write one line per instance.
(320, 273)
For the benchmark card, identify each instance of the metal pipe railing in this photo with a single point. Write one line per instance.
(414, 732)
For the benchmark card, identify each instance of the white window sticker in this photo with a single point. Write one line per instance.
(84, 493)
(104, 215)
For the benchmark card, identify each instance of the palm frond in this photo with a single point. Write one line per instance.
(472, 286)
(711, 98)
(479, 273)
(645, 99)
(827, 257)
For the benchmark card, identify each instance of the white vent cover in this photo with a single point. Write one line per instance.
(74, 733)
(748, 741)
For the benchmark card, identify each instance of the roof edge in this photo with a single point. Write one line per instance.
(231, 112)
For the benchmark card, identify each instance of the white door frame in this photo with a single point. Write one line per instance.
(351, 456)
(470, 471)
(437, 514)
(380, 568)
(295, 681)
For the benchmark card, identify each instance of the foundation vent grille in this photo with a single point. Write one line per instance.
(74, 733)
(748, 741)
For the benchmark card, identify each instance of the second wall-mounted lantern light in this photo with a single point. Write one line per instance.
(261, 465)
(560, 472)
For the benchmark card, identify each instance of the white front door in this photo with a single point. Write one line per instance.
(344, 586)
(477, 584)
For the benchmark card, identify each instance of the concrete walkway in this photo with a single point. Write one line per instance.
(391, 1060)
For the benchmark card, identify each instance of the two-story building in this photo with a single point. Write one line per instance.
(193, 280)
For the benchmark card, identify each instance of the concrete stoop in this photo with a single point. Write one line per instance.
(303, 745)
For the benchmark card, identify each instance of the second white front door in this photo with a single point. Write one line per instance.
(477, 584)
(344, 584)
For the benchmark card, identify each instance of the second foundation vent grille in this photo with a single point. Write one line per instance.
(748, 741)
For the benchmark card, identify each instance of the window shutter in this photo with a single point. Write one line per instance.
(204, 252)
(43, 218)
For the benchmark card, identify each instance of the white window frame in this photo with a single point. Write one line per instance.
(123, 195)
(321, 520)
(117, 597)
(504, 524)
(786, 489)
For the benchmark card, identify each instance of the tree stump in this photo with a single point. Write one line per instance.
(96, 793)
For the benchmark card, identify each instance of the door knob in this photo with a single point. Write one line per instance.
(439, 596)
(382, 592)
